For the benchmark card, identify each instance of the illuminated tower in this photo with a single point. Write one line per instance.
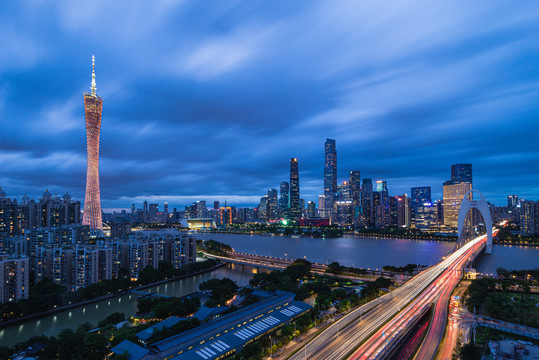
(93, 107)
(294, 208)
(330, 174)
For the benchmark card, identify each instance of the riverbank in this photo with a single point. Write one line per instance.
(57, 309)
(515, 243)
(402, 237)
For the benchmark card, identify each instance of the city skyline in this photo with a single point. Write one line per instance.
(389, 107)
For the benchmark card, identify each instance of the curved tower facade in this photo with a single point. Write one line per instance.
(93, 107)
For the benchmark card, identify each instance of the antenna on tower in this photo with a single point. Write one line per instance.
(93, 75)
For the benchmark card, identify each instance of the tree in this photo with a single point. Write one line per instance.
(112, 319)
(69, 344)
(5, 352)
(123, 356)
(470, 352)
(95, 346)
(334, 268)
(221, 290)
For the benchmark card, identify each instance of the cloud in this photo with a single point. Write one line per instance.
(207, 100)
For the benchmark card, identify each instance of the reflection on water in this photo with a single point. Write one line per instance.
(349, 250)
(509, 257)
(373, 252)
(72, 318)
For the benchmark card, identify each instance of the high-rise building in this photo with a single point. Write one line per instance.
(512, 201)
(462, 172)
(355, 187)
(528, 217)
(367, 203)
(343, 213)
(294, 208)
(273, 207)
(311, 209)
(426, 216)
(85, 268)
(454, 192)
(9, 222)
(263, 208)
(322, 205)
(184, 251)
(93, 107)
(403, 211)
(14, 275)
(152, 212)
(330, 174)
(381, 205)
(284, 199)
(420, 196)
(145, 210)
(343, 192)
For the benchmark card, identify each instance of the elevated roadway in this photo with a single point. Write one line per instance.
(372, 328)
(275, 263)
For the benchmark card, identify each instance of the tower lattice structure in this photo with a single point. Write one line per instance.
(93, 107)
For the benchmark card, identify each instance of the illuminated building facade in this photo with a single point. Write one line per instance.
(295, 210)
(93, 107)
(355, 187)
(284, 199)
(330, 174)
(14, 279)
(454, 192)
(420, 196)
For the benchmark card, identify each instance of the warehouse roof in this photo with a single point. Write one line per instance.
(226, 342)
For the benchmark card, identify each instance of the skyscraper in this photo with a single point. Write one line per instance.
(454, 192)
(330, 174)
(284, 200)
(93, 107)
(294, 208)
(420, 196)
(528, 217)
(462, 172)
(367, 203)
(512, 201)
(311, 209)
(273, 207)
(380, 204)
(355, 187)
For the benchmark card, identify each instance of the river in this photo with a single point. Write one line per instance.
(374, 253)
(93, 313)
(349, 250)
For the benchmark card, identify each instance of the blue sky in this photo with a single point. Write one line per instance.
(210, 99)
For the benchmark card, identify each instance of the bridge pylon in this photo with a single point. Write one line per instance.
(480, 205)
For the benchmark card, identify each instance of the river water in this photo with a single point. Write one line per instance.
(93, 313)
(374, 253)
(370, 253)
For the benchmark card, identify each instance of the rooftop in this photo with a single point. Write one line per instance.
(227, 321)
(148, 332)
(135, 352)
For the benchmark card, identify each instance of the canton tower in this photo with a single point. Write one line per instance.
(93, 107)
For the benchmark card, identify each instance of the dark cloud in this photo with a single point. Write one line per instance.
(210, 100)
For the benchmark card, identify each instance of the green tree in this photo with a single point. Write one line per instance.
(470, 352)
(112, 319)
(5, 352)
(95, 346)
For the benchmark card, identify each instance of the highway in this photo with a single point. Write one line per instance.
(379, 317)
(438, 293)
